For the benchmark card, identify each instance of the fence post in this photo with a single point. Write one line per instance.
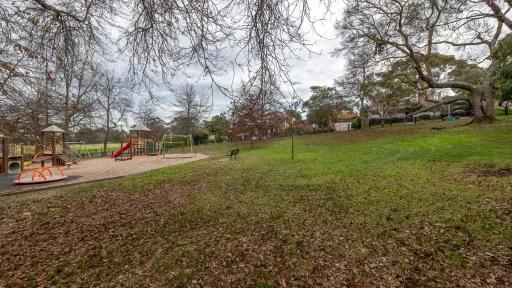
(22, 152)
(5, 155)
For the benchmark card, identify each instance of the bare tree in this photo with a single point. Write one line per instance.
(115, 100)
(47, 52)
(146, 109)
(75, 97)
(171, 35)
(193, 106)
(158, 127)
(353, 82)
(250, 107)
(48, 47)
(160, 36)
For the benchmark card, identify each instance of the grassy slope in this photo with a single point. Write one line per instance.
(400, 206)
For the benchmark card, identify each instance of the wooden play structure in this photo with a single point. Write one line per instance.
(11, 156)
(50, 153)
(139, 143)
(54, 149)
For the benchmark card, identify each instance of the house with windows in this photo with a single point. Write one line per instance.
(343, 121)
(276, 123)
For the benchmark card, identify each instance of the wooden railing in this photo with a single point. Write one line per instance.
(68, 152)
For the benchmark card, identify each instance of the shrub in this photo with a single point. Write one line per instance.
(425, 117)
(356, 123)
(200, 138)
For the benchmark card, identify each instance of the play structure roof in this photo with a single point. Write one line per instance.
(53, 128)
(140, 127)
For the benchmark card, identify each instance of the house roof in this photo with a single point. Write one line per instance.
(347, 115)
(140, 127)
(53, 129)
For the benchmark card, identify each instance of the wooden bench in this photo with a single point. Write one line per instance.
(233, 153)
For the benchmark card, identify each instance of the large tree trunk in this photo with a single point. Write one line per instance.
(499, 13)
(488, 98)
(478, 114)
(362, 112)
(107, 131)
(482, 101)
(67, 116)
(105, 141)
(489, 109)
(481, 111)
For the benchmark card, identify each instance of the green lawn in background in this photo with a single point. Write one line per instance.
(95, 148)
(397, 206)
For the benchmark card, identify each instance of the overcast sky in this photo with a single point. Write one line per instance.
(318, 68)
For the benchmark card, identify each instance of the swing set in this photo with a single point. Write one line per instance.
(173, 144)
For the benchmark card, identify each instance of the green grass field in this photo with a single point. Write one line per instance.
(398, 206)
(82, 149)
(95, 148)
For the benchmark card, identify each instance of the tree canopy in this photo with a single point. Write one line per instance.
(218, 125)
(324, 105)
(503, 75)
(420, 32)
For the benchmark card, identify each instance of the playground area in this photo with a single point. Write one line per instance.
(100, 169)
(54, 163)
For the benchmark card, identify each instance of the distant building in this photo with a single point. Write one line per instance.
(347, 116)
(343, 121)
(277, 123)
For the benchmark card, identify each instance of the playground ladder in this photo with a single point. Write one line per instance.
(71, 155)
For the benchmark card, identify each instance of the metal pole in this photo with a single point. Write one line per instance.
(54, 151)
(22, 152)
(5, 155)
(191, 144)
(293, 145)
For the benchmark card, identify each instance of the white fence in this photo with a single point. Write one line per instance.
(343, 126)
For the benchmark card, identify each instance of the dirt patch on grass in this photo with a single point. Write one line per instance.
(496, 172)
(491, 171)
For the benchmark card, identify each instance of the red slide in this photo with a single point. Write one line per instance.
(120, 151)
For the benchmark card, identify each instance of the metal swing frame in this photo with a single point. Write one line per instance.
(164, 143)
